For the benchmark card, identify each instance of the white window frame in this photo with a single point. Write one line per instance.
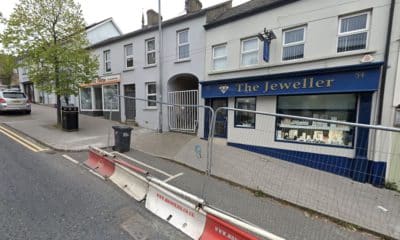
(218, 58)
(150, 94)
(147, 51)
(178, 45)
(106, 60)
(255, 50)
(293, 43)
(366, 29)
(102, 90)
(128, 56)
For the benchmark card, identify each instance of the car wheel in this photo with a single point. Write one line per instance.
(28, 112)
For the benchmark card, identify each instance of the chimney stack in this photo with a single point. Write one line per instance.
(152, 17)
(192, 6)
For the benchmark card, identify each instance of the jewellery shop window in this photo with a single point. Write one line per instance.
(338, 107)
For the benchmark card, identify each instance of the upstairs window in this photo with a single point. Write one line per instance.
(353, 32)
(107, 61)
(128, 49)
(249, 52)
(183, 44)
(150, 51)
(293, 44)
(219, 57)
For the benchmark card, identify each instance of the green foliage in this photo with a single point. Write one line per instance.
(7, 67)
(49, 37)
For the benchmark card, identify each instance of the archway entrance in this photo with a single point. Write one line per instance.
(183, 90)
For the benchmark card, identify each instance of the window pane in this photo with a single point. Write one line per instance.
(340, 107)
(86, 98)
(352, 42)
(129, 50)
(152, 104)
(184, 51)
(220, 51)
(183, 37)
(251, 44)
(151, 58)
(108, 66)
(151, 88)
(110, 97)
(151, 45)
(293, 52)
(13, 95)
(129, 62)
(220, 63)
(353, 23)
(244, 119)
(294, 36)
(250, 58)
(107, 55)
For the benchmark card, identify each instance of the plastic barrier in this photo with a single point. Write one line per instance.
(132, 183)
(100, 163)
(177, 211)
(218, 229)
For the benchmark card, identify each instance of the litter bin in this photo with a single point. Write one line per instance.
(122, 138)
(69, 120)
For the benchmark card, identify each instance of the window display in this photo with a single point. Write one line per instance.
(110, 97)
(245, 119)
(337, 107)
(86, 98)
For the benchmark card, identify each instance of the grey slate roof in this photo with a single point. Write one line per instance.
(246, 9)
(168, 22)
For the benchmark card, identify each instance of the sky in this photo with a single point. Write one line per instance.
(127, 14)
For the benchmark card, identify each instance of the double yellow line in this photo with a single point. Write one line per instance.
(19, 139)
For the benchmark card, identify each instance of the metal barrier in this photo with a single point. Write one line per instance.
(315, 163)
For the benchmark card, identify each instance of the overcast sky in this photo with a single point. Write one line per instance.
(126, 13)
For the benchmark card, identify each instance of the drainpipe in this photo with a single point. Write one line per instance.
(160, 112)
(385, 62)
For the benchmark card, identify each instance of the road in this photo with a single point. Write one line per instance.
(44, 196)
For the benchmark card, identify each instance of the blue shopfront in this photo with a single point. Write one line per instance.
(343, 93)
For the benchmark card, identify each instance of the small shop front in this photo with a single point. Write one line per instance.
(343, 93)
(100, 98)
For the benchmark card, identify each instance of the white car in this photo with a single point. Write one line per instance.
(14, 101)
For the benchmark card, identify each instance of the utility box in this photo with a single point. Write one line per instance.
(122, 138)
(69, 118)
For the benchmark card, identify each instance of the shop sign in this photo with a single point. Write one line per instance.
(366, 80)
(109, 78)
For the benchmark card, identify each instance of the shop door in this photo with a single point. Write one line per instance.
(221, 123)
(130, 104)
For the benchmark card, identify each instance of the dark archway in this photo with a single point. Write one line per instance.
(182, 82)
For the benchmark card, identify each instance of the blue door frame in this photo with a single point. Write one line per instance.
(222, 117)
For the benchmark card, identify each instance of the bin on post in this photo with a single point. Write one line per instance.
(70, 120)
(122, 138)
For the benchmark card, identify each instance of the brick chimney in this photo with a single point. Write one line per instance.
(152, 17)
(192, 6)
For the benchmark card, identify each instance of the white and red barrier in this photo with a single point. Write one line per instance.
(188, 213)
(180, 213)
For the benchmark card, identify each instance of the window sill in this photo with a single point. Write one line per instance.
(291, 62)
(150, 66)
(150, 108)
(182, 60)
(128, 69)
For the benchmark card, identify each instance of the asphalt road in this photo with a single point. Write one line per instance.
(43, 196)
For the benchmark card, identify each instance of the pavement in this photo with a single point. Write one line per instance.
(340, 198)
(44, 196)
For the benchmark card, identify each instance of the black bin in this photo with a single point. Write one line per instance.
(70, 120)
(122, 138)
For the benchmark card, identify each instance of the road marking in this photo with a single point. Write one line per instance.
(144, 164)
(26, 143)
(70, 159)
(173, 177)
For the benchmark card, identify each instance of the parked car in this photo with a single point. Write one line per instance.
(13, 100)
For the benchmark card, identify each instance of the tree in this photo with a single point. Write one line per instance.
(49, 36)
(7, 67)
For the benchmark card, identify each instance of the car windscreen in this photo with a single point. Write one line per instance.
(13, 95)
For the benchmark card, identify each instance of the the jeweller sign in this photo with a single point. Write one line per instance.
(357, 80)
